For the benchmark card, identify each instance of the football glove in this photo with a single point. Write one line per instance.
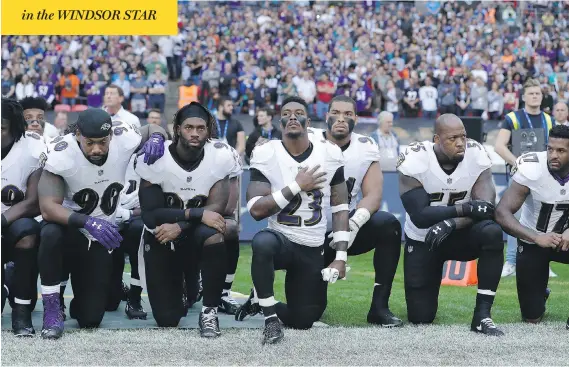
(330, 275)
(130, 201)
(153, 149)
(438, 233)
(122, 215)
(478, 210)
(104, 232)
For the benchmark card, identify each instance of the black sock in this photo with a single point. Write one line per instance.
(25, 270)
(232, 246)
(489, 272)
(484, 303)
(269, 312)
(214, 260)
(380, 298)
(134, 292)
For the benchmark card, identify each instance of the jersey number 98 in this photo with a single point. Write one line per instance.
(88, 199)
(287, 217)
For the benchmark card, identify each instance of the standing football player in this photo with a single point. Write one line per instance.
(79, 192)
(183, 197)
(447, 190)
(370, 229)
(291, 183)
(538, 188)
(23, 154)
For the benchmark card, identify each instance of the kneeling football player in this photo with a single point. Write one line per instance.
(542, 231)
(447, 190)
(183, 197)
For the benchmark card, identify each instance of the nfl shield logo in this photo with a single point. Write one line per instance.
(189, 179)
(101, 172)
(563, 191)
(520, 249)
(449, 180)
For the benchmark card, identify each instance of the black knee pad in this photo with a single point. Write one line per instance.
(390, 226)
(491, 235)
(22, 228)
(265, 242)
(92, 322)
(202, 233)
(51, 235)
(303, 318)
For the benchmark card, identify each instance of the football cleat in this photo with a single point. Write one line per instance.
(485, 326)
(125, 291)
(209, 323)
(22, 321)
(134, 309)
(249, 308)
(383, 318)
(52, 321)
(273, 332)
(228, 305)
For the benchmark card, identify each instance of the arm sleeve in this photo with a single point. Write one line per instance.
(250, 143)
(153, 211)
(416, 204)
(256, 175)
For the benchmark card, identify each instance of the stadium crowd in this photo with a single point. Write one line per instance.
(469, 59)
(104, 180)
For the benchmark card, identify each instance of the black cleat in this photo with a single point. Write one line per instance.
(249, 308)
(22, 321)
(134, 309)
(186, 304)
(125, 291)
(228, 305)
(199, 296)
(485, 326)
(52, 321)
(383, 318)
(273, 332)
(209, 323)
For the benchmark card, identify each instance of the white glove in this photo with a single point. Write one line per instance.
(330, 275)
(122, 215)
(130, 201)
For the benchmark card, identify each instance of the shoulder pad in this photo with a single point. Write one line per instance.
(223, 157)
(36, 146)
(528, 168)
(482, 158)
(414, 160)
(238, 166)
(315, 131)
(60, 157)
(151, 173)
(264, 153)
(334, 152)
(33, 135)
(370, 149)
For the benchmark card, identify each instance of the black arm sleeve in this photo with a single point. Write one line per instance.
(416, 203)
(256, 175)
(250, 143)
(338, 177)
(153, 209)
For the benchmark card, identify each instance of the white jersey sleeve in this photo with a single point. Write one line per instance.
(263, 158)
(483, 160)
(60, 158)
(527, 172)
(237, 169)
(414, 161)
(128, 135)
(152, 173)
(334, 158)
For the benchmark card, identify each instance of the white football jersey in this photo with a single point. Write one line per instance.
(27, 155)
(131, 180)
(359, 155)
(188, 189)
(91, 189)
(420, 162)
(546, 208)
(303, 220)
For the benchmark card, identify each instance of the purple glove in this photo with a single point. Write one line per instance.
(104, 232)
(153, 149)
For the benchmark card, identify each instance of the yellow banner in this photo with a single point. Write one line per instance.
(89, 17)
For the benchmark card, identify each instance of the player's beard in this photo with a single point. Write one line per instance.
(337, 135)
(98, 160)
(294, 134)
(192, 148)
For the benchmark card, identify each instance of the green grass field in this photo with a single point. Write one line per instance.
(349, 300)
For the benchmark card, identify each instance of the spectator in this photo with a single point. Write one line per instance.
(392, 97)
(261, 93)
(124, 84)
(95, 91)
(325, 92)
(155, 118)
(462, 100)
(411, 99)
(306, 89)
(25, 88)
(69, 84)
(547, 101)
(235, 95)
(61, 122)
(166, 45)
(138, 90)
(495, 103)
(157, 85)
(227, 80)
(113, 100)
(211, 75)
(447, 95)
(8, 85)
(45, 89)
(362, 94)
(263, 131)
(479, 97)
(511, 99)
(229, 129)
(384, 136)
(287, 89)
(560, 113)
(428, 96)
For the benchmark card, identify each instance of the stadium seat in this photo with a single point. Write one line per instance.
(62, 108)
(79, 108)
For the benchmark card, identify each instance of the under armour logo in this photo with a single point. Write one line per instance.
(437, 229)
(95, 225)
(482, 208)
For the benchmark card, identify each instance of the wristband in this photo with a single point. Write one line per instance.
(279, 198)
(294, 187)
(340, 208)
(77, 220)
(342, 256)
(252, 202)
(195, 214)
(4, 220)
(341, 236)
(360, 217)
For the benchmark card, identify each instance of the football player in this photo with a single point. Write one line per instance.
(447, 190)
(34, 113)
(182, 198)
(538, 188)
(370, 229)
(23, 155)
(292, 181)
(79, 193)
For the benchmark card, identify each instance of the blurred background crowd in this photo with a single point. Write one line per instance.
(413, 59)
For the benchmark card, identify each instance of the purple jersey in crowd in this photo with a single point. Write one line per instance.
(94, 99)
(363, 94)
(45, 90)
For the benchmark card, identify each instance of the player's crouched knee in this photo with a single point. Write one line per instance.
(231, 230)
(25, 232)
(304, 317)
(214, 239)
(264, 243)
(491, 235)
(388, 224)
(169, 319)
